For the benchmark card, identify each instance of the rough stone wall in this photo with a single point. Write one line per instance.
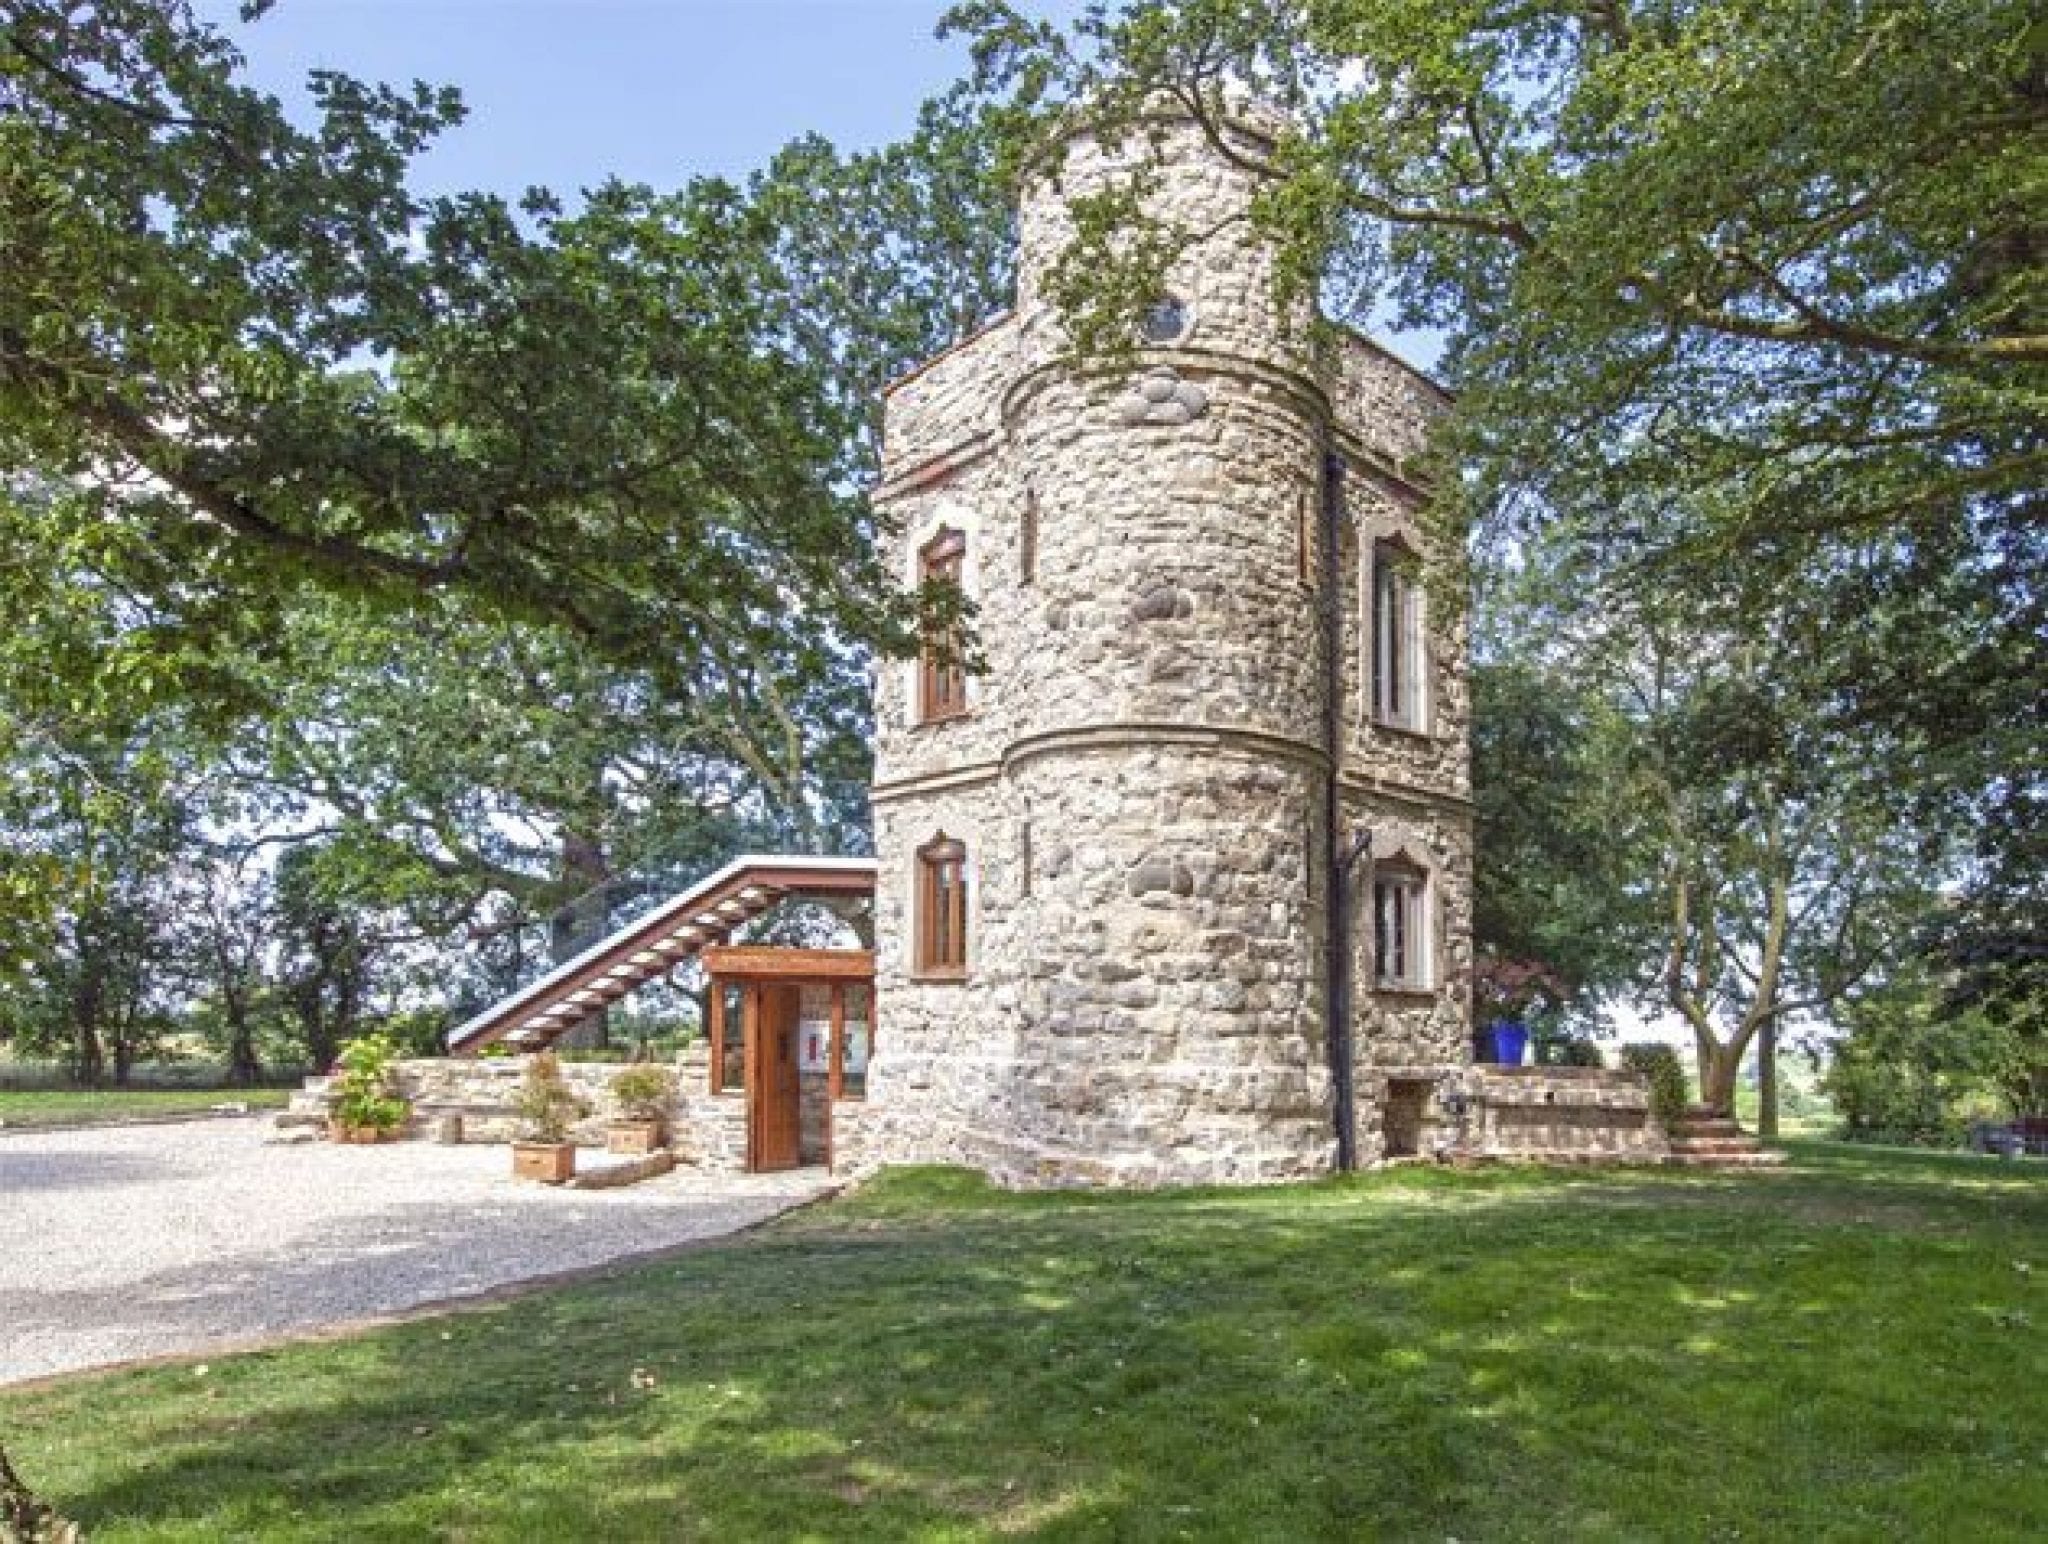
(1139, 1006)
(1384, 402)
(1561, 1114)
(1139, 781)
(706, 1130)
(946, 404)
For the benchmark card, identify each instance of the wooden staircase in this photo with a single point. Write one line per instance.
(1700, 1139)
(655, 945)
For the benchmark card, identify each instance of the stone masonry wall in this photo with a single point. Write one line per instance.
(1561, 1114)
(1140, 778)
(705, 1130)
(1138, 1007)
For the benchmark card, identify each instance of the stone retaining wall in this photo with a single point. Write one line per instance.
(1560, 1115)
(706, 1131)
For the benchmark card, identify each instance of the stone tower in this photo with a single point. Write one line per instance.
(1109, 859)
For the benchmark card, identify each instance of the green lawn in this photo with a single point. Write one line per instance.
(64, 1106)
(1853, 1348)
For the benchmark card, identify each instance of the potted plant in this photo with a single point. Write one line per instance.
(365, 1108)
(549, 1107)
(1505, 994)
(644, 1092)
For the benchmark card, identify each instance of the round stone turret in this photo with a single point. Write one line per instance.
(1140, 781)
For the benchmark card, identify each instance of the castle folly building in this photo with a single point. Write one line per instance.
(1217, 711)
(1175, 887)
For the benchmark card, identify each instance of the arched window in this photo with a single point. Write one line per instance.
(1400, 925)
(941, 674)
(940, 929)
(1398, 654)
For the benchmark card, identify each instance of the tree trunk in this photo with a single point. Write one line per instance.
(1767, 1080)
(243, 1067)
(88, 1054)
(1719, 1066)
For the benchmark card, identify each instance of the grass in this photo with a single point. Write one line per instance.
(67, 1107)
(1851, 1348)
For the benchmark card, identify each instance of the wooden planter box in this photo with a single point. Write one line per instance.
(362, 1135)
(633, 1136)
(552, 1163)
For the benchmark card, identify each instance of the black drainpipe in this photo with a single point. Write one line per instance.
(1340, 854)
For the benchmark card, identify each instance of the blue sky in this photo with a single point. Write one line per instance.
(567, 92)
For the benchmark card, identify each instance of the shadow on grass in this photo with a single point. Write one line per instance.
(1514, 1354)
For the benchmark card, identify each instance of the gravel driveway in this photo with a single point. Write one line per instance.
(134, 1241)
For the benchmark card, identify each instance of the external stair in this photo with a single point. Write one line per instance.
(656, 944)
(1701, 1139)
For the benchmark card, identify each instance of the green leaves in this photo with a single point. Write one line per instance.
(469, 554)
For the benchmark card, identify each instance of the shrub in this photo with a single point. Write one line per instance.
(1660, 1064)
(644, 1091)
(365, 1096)
(547, 1103)
(1568, 1051)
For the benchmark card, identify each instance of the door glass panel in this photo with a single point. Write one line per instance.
(859, 1036)
(733, 1053)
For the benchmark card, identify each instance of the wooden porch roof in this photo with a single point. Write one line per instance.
(655, 944)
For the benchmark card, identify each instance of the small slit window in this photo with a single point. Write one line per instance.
(1027, 539)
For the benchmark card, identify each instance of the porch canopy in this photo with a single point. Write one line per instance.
(655, 944)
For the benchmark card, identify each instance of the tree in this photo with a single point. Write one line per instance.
(329, 957)
(1622, 213)
(1737, 297)
(250, 362)
(508, 554)
(1912, 1069)
(1782, 863)
(1552, 884)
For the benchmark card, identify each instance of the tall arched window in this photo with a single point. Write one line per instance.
(940, 924)
(1398, 654)
(941, 674)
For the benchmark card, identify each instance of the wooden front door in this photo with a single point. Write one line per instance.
(774, 1100)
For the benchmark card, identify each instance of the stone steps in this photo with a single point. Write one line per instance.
(1686, 1141)
(1701, 1139)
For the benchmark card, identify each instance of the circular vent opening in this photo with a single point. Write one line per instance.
(1167, 320)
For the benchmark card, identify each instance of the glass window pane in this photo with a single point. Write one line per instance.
(859, 1038)
(733, 1066)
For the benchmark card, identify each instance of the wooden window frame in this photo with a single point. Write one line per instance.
(1412, 914)
(941, 673)
(720, 1026)
(940, 912)
(840, 1020)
